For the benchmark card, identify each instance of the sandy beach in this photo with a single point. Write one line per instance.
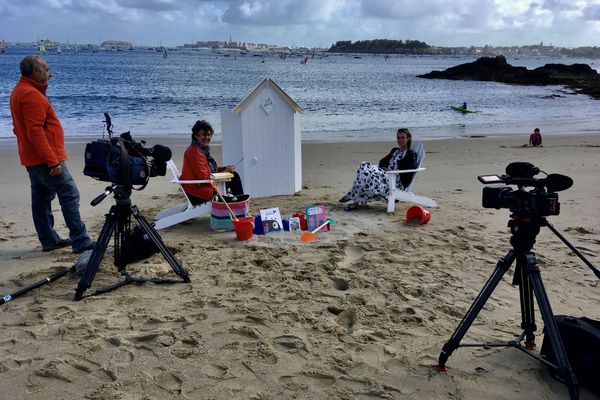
(360, 314)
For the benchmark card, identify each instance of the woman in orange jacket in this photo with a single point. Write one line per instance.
(198, 164)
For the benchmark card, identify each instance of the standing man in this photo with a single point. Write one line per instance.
(535, 139)
(41, 141)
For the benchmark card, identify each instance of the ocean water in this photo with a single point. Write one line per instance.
(343, 97)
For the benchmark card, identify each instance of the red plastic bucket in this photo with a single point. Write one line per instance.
(243, 228)
(419, 214)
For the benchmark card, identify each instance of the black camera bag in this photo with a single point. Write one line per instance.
(581, 338)
(103, 162)
(97, 154)
(138, 245)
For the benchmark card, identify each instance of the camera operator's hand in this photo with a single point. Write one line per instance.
(229, 168)
(56, 171)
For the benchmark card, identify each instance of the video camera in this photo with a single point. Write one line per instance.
(541, 201)
(123, 161)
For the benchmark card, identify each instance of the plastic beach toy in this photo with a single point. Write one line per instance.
(244, 227)
(419, 214)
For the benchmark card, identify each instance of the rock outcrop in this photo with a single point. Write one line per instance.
(579, 77)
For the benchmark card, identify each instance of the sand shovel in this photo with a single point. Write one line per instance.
(309, 237)
(231, 214)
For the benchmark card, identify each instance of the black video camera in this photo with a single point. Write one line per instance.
(124, 161)
(541, 201)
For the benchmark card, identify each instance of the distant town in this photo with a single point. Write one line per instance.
(377, 46)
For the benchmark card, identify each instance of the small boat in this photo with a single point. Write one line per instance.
(463, 110)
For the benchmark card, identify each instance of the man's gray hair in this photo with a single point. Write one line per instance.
(29, 64)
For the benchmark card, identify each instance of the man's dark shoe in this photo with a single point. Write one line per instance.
(58, 245)
(85, 248)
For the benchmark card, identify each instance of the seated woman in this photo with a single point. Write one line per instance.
(371, 182)
(198, 164)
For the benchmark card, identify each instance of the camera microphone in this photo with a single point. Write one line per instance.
(558, 182)
(521, 170)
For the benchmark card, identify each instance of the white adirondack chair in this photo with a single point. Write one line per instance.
(184, 212)
(406, 194)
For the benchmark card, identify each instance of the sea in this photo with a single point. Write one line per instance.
(344, 97)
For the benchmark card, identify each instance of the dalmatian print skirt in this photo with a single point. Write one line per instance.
(371, 183)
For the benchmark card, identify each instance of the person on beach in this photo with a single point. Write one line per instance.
(108, 122)
(535, 139)
(198, 164)
(371, 181)
(41, 143)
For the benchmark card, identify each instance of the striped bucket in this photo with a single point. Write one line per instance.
(220, 219)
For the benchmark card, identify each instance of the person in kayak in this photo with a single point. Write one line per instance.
(464, 105)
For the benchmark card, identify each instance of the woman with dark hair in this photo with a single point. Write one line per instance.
(198, 164)
(371, 182)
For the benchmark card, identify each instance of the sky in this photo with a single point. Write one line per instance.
(309, 23)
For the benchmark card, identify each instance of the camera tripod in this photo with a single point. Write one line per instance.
(118, 222)
(524, 230)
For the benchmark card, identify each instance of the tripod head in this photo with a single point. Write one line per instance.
(524, 232)
(121, 193)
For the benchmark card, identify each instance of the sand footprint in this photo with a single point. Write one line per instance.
(339, 283)
(67, 371)
(290, 343)
(344, 318)
(352, 255)
(168, 381)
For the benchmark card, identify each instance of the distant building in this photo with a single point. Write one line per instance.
(230, 45)
(116, 45)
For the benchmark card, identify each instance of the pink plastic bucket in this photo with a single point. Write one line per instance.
(419, 214)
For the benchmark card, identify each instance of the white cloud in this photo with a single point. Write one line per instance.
(248, 10)
(305, 22)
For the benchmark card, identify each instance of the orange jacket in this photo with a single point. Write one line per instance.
(40, 135)
(195, 167)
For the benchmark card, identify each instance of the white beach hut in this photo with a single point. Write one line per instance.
(264, 130)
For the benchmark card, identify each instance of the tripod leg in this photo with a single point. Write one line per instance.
(564, 370)
(501, 267)
(96, 258)
(153, 234)
(526, 297)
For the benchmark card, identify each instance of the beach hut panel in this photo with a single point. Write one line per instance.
(265, 130)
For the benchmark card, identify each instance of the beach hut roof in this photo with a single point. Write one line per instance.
(265, 83)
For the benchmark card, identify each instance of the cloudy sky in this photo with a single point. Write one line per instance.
(308, 23)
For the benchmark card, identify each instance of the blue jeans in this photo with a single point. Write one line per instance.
(44, 188)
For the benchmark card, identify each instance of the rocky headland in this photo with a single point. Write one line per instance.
(578, 77)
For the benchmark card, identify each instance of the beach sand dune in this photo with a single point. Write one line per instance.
(360, 314)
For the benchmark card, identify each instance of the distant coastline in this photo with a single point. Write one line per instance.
(375, 46)
(386, 46)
